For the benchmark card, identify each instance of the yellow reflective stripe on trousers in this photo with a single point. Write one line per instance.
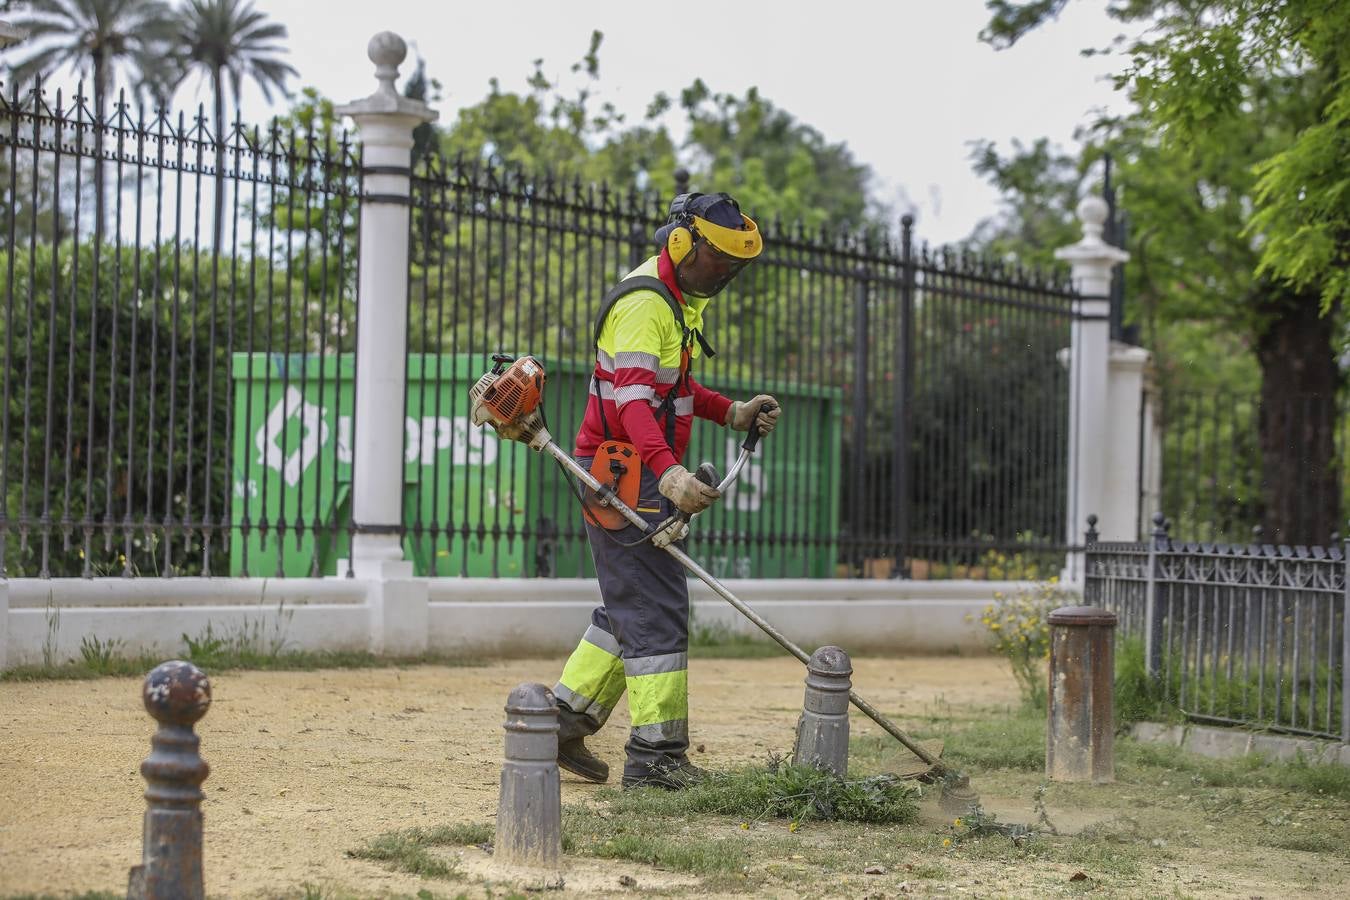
(663, 697)
(593, 676)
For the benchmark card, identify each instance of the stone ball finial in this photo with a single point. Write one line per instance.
(176, 693)
(1092, 212)
(387, 51)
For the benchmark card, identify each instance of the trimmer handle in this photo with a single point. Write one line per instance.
(706, 473)
(752, 436)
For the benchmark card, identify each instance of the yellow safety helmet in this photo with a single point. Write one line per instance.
(717, 221)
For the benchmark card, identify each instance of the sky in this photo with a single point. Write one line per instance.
(907, 84)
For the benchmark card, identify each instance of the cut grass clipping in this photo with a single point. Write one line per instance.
(781, 791)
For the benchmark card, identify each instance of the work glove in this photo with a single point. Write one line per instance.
(686, 491)
(741, 414)
(671, 531)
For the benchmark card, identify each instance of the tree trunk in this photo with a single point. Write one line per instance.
(1300, 478)
(100, 88)
(218, 83)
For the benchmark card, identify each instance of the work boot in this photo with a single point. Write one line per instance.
(577, 759)
(668, 775)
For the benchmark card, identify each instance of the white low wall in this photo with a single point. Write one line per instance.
(529, 616)
(47, 620)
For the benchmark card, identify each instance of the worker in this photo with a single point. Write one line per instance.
(649, 330)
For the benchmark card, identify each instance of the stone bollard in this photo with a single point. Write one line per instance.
(822, 730)
(1080, 736)
(176, 694)
(529, 812)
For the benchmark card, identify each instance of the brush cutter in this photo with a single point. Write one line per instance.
(509, 399)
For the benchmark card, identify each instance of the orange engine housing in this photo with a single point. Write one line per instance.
(517, 391)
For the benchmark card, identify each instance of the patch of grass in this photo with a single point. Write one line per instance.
(1307, 841)
(311, 891)
(1139, 697)
(931, 871)
(406, 850)
(1103, 857)
(1147, 761)
(699, 856)
(1250, 695)
(82, 671)
(1014, 740)
(99, 655)
(780, 791)
(463, 833)
(292, 660)
(647, 839)
(87, 895)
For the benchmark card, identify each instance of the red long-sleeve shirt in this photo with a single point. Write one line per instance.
(637, 365)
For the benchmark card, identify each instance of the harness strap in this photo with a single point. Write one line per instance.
(656, 285)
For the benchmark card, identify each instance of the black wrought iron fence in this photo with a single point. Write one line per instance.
(1216, 477)
(179, 332)
(1234, 634)
(162, 285)
(925, 405)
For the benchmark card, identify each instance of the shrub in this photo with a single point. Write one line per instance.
(1019, 630)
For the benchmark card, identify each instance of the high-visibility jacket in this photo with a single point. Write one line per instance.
(639, 352)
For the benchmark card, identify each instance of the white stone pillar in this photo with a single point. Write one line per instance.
(385, 122)
(1091, 260)
(4, 624)
(1131, 455)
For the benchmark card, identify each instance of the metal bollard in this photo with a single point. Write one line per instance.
(529, 812)
(176, 694)
(1080, 735)
(822, 730)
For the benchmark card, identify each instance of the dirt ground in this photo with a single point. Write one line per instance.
(308, 765)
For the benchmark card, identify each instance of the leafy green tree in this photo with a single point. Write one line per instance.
(229, 41)
(1040, 187)
(116, 402)
(1236, 180)
(96, 37)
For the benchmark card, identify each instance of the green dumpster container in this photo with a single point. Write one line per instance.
(469, 498)
(779, 521)
(291, 497)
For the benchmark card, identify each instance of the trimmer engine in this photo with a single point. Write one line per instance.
(508, 398)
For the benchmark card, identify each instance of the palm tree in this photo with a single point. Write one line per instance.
(230, 40)
(95, 36)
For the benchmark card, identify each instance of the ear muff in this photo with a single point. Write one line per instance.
(680, 240)
(679, 243)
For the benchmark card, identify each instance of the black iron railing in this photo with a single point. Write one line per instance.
(1234, 634)
(145, 328)
(1215, 475)
(179, 333)
(925, 416)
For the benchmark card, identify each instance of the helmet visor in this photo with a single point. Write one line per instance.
(705, 270)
